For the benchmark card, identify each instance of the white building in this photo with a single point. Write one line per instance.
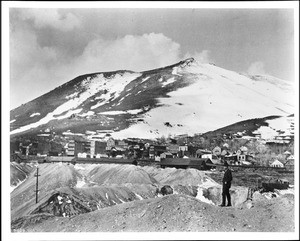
(82, 155)
(277, 163)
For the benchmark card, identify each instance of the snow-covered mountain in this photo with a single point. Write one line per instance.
(184, 98)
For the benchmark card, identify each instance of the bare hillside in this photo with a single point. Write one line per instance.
(115, 197)
(170, 213)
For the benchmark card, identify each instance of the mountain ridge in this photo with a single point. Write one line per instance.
(131, 102)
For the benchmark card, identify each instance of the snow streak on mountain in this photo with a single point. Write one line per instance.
(184, 98)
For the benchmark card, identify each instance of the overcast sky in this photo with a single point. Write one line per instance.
(49, 47)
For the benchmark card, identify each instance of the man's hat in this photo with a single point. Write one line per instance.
(226, 164)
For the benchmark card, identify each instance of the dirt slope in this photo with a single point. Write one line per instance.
(107, 197)
(170, 213)
(173, 176)
(19, 172)
(136, 182)
(114, 174)
(51, 177)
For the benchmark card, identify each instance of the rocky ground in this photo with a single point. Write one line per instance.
(248, 176)
(19, 172)
(127, 198)
(174, 212)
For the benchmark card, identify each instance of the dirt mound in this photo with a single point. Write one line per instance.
(22, 222)
(108, 184)
(19, 172)
(114, 197)
(114, 174)
(52, 177)
(213, 195)
(172, 213)
(104, 185)
(173, 176)
(62, 204)
(98, 197)
(73, 201)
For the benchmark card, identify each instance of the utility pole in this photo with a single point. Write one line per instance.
(37, 185)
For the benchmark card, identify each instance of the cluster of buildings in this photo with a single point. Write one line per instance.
(100, 144)
(139, 149)
(136, 148)
(218, 155)
(128, 148)
(288, 162)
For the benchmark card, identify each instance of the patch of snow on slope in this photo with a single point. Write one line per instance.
(87, 113)
(68, 133)
(269, 132)
(209, 183)
(175, 71)
(68, 114)
(139, 196)
(43, 134)
(114, 86)
(72, 95)
(121, 112)
(121, 200)
(135, 111)
(271, 94)
(91, 86)
(80, 183)
(145, 79)
(34, 114)
(116, 112)
(285, 191)
(97, 98)
(96, 137)
(214, 94)
(18, 184)
(79, 167)
(283, 84)
(281, 123)
(202, 198)
(169, 81)
(120, 101)
(12, 121)
(90, 132)
(96, 106)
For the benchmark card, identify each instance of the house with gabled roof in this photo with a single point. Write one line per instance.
(290, 163)
(277, 163)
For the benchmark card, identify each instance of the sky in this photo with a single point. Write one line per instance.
(50, 46)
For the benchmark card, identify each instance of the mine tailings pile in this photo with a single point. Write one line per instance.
(67, 190)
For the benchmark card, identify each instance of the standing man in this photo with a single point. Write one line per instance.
(226, 185)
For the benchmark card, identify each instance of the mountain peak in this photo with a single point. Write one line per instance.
(188, 95)
(186, 62)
